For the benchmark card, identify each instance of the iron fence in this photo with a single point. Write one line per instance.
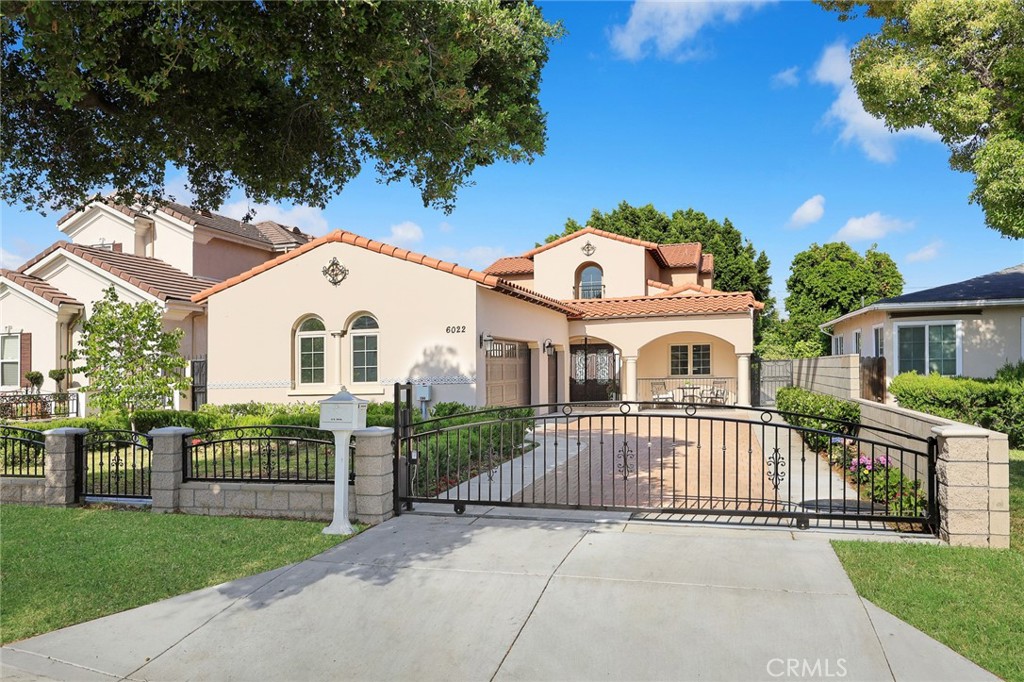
(29, 406)
(114, 463)
(272, 454)
(22, 452)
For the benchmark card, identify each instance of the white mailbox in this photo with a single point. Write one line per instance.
(342, 414)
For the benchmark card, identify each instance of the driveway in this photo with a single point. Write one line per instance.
(566, 597)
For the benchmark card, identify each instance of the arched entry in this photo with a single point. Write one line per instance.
(593, 370)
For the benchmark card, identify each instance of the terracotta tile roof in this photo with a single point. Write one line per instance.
(39, 287)
(680, 255)
(688, 287)
(658, 285)
(267, 232)
(155, 277)
(340, 236)
(663, 306)
(589, 230)
(707, 263)
(515, 265)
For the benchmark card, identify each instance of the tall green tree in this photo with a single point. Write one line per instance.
(830, 280)
(738, 265)
(286, 100)
(957, 66)
(130, 362)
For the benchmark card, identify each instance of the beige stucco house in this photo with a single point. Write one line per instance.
(969, 328)
(591, 316)
(163, 255)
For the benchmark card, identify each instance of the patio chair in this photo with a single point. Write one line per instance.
(716, 393)
(660, 393)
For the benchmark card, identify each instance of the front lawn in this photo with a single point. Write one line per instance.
(968, 599)
(59, 567)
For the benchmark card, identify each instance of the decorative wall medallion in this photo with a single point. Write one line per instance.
(588, 249)
(335, 272)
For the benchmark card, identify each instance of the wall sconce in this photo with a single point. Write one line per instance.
(486, 342)
(548, 347)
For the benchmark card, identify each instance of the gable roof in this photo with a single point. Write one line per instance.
(688, 287)
(343, 237)
(664, 306)
(266, 232)
(684, 255)
(153, 276)
(39, 287)
(1003, 287)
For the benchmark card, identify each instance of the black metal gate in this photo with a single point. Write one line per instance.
(745, 464)
(198, 383)
(594, 372)
(766, 378)
(113, 464)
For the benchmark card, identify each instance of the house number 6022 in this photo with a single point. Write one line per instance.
(455, 329)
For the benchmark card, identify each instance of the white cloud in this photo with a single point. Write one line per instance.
(176, 187)
(476, 257)
(786, 78)
(857, 125)
(10, 260)
(445, 227)
(873, 226)
(308, 219)
(809, 212)
(405, 234)
(670, 25)
(925, 253)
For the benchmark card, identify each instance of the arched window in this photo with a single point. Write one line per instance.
(310, 340)
(364, 349)
(589, 284)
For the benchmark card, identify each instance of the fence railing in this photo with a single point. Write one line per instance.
(28, 406)
(22, 452)
(713, 390)
(272, 454)
(115, 463)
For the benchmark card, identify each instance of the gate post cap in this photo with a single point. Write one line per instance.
(172, 431)
(66, 431)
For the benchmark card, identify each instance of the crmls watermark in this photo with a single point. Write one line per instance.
(820, 668)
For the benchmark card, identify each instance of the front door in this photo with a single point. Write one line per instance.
(595, 373)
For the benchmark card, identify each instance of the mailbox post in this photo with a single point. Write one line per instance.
(342, 414)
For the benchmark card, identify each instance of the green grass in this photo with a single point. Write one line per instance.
(969, 599)
(59, 567)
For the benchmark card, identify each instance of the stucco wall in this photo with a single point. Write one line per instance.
(623, 267)
(654, 361)
(427, 328)
(219, 258)
(101, 224)
(837, 375)
(24, 314)
(172, 241)
(629, 335)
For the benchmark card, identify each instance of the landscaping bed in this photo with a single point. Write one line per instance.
(67, 566)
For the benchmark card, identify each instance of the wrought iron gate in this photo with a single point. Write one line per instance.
(198, 383)
(594, 373)
(766, 378)
(113, 464)
(698, 461)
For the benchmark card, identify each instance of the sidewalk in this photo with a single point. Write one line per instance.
(569, 596)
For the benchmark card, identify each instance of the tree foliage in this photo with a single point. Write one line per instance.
(286, 100)
(956, 66)
(831, 280)
(738, 265)
(131, 363)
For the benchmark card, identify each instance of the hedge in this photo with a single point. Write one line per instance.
(996, 405)
(809, 410)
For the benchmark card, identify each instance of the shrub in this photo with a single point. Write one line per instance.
(1011, 372)
(35, 378)
(996, 405)
(147, 420)
(809, 410)
(104, 423)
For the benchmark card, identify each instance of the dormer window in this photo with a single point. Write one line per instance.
(588, 284)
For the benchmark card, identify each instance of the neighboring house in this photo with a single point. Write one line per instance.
(163, 255)
(969, 328)
(591, 316)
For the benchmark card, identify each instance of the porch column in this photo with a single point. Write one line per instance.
(630, 383)
(743, 379)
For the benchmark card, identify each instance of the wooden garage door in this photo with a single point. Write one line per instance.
(508, 374)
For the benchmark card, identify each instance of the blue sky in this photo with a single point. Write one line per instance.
(739, 110)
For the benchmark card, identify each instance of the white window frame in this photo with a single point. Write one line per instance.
(838, 345)
(878, 334)
(689, 359)
(857, 345)
(897, 326)
(16, 362)
(357, 333)
(299, 336)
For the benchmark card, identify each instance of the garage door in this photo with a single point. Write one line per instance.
(508, 374)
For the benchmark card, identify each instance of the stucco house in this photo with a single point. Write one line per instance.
(163, 255)
(969, 328)
(591, 316)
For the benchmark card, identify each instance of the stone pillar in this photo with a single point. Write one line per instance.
(630, 381)
(743, 379)
(374, 467)
(60, 466)
(973, 471)
(166, 467)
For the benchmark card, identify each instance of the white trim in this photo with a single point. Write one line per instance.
(35, 298)
(858, 342)
(874, 340)
(689, 359)
(16, 361)
(72, 226)
(928, 323)
(105, 275)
